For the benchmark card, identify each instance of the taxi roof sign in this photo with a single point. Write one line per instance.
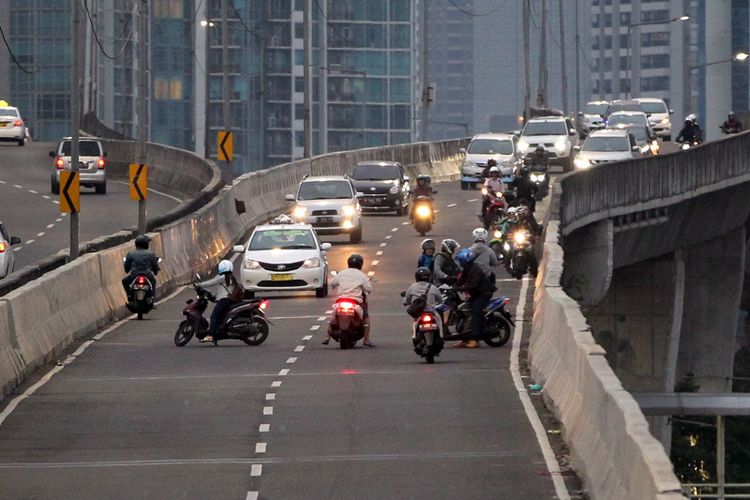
(4, 103)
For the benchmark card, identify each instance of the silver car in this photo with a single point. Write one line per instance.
(92, 161)
(330, 204)
(7, 260)
(12, 127)
(604, 146)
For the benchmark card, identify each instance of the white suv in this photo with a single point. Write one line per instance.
(91, 164)
(557, 134)
(284, 256)
(330, 204)
(658, 116)
(483, 147)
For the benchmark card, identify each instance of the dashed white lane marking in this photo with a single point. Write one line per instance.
(252, 495)
(472, 200)
(388, 237)
(437, 211)
(3, 182)
(451, 205)
(299, 348)
(18, 248)
(32, 191)
(276, 383)
(260, 447)
(405, 223)
(264, 428)
(384, 244)
(17, 186)
(307, 337)
(379, 252)
(29, 242)
(55, 202)
(270, 396)
(371, 273)
(256, 470)
(394, 229)
(39, 235)
(314, 327)
(50, 226)
(375, 262)
(268, 410)
(321, 318)
(329, 311)
(284, 372)
(291, 360)
(45, 197)
(59, 220)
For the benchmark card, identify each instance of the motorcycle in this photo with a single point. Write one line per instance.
(141, 298)
(539, 174)
(685, 145)
(519, 253)
(426, 338)
(423, 214)
(730, 130)
(495, 208)
(349, 327)
(456, 313)
(245, 321)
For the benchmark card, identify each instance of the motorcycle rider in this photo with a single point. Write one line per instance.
(476, 283)
(495, 188)
(224, 282)
(423, 188)
(423, 287)
(731, 125)
(354, 284)
(140, 261)
(445, 269)
(538, 157)
(690, 132)
(427, 258)
(484, 257)
(486, 171)
(525, 188)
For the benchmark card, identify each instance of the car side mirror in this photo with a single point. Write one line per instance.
(407, 178)
(15, 240)
(462, 150)
(238, 249)
(289, 197)
(517, 132)
(325, 246)
(403, 294)
(572, 131)
(198, 276)
(671, 111)
(359, 195)
(334, 273)
(636, 149)
(577, 149)
(51, 154)
(159, 260)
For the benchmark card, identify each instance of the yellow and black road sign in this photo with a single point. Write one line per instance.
(225, 151)
(70, 192)
(138, 181)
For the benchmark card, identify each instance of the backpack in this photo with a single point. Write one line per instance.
(418, 304)
(237, 291)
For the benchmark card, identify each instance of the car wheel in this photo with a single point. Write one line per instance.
(322, 291)
(463, 186)
(667, 138)
(356, 235)
(21, 142)
(404, 210)
(54, 185)
(101, 188)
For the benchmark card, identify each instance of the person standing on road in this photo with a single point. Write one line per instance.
(477, 284)
(485, 257)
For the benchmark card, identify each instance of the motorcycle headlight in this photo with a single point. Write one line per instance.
(506, 246)
(393, 190)
(498, 234)
(299, 212)
(311, 263)
(523, 146)
(251, 264)
(561, 145)
(520, 237)
(484, 191)
(537, 177)
(581, 163)
(685, 146)
(654, 148)
(423, 211)
(348, 210)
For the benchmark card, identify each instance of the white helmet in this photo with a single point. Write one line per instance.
(495, 169)
(480, 234)
(225, 266)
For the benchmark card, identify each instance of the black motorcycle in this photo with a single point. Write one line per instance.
(519, 252)
(423, 214)
(349, 326)
(456, 313)
(245, 321)
(426, 339)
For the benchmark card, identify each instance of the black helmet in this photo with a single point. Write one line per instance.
(355, 261)
(428, 243)
(423, 274)
(449, 246)
(425, 178)
(142, 241)
(731, 115)
(540, 148)
(491, 162)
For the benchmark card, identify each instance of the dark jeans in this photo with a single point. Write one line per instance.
(127, 280)
(217, 315)
(478, 304)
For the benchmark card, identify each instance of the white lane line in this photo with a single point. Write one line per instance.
(321, 318)
(371, 273)
(375, 262)
(154, 191)
(264, 428)
(541, 435)
(291, 360)
(63, 215)
(379, 253)
(284, 372)
(472, 200)
(59, 220)
(45, 197)
(451, 205)
(268, 410)
(32, 191)
(276, 383)
(39, 235)
(55, 202)
(437, 211)
(50, 226)
(29, 242)
(256, 470)
(252, 495)
(299, 348)
(514, 279)
(384, 244)
(294, 317)
(388, 237)
(307, 337)
(314, 327)
(260, 447)
(17, 186)
(3, 182)
(405, 223)
(18, 248)
(329, 311)
(270, 396)
(394, 229)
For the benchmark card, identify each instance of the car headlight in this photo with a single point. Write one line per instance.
(468, 164)
(393, 190)
(251, 264)
(523, 146)
(664, 121)
(581, 163)
(561, 145)
(311, 263)
(347, 224)
(423, 211)
(347, 210)
(299, 212)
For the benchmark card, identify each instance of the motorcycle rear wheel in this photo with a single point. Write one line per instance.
(430, 359)
(496, 330)
(261, 332)
(184, 333)
(345, 340)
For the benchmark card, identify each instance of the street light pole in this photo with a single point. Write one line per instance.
(226, 88)
(75, 104)
(142, 106)
(307, 78)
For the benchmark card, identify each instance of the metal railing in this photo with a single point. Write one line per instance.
(699, 491)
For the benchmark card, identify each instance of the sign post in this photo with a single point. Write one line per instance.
(70, 192)
(139, 191)
(225, 151)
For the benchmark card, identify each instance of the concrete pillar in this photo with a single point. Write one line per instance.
(718, 76)
(714, 275)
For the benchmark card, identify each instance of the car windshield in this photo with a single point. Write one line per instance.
(615, 120)
(85, 148)
(9, 112)
(640, 133)
(282, 239)
(654, 107)
(375, 172)
(606, 144)
(490, 147)
(624, 106)
(545, 128)
(596, 109)
(324, 190)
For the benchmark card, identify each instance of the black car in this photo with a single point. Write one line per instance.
(383, 185)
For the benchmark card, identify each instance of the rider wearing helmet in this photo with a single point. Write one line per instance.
(140, 261)
(427, 258)
(731, 125)
(445, 269)
(690, 132)
(477, 284)
(223, 285)
(490, 163)
(485, 258)
(423, 287)
(539, 156)
(525, 188)
(354, 284)
(423, 188)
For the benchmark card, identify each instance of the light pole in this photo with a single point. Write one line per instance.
(207, 23)
(630, 44)
(739, 57)
(338, 69)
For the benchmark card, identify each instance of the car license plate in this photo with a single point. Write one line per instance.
(377, 201)
(325, 219)
(346, 312)
(282, 277)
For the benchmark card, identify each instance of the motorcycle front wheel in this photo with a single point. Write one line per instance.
(496, 330)
(257, 335)
(184, 333)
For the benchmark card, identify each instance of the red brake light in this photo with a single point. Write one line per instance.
(18, 123)
(263, 305)
(2, 247)
(59, 163)
(100, 163)
(426, 318)
(346, 304)
(141, 280)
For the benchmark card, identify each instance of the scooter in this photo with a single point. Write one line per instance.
(519, 253)
(456, 313)
(423, 214)
(141, 297)
(684, 146)
(349, 327)
(245, 321)
(426, 337)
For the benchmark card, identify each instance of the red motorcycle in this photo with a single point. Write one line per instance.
(495, 210)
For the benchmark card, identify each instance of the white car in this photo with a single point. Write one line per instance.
(557, 134)
(658, 116)
(483, 147)
(624, 119)
(92, 162)
(12, 127)
(593, 115)
(330, 204)
(604, 146)
(7, 260)
(284, 257)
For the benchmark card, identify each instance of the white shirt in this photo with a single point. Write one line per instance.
(352, 283)
(495, 185)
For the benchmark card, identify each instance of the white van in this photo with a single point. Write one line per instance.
(658, 116)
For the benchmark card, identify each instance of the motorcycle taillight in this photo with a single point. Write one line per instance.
(141, 280)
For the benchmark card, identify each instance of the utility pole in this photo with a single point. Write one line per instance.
(425, 75)
(323, 79)
(225, 110)
(578, 60)
(526, 63)
(563, 66)
(142, 105)
(541, 99)
(75, 104)
(307, 77)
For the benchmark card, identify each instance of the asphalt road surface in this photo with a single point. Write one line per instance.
(133, 416)
(29, 210)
